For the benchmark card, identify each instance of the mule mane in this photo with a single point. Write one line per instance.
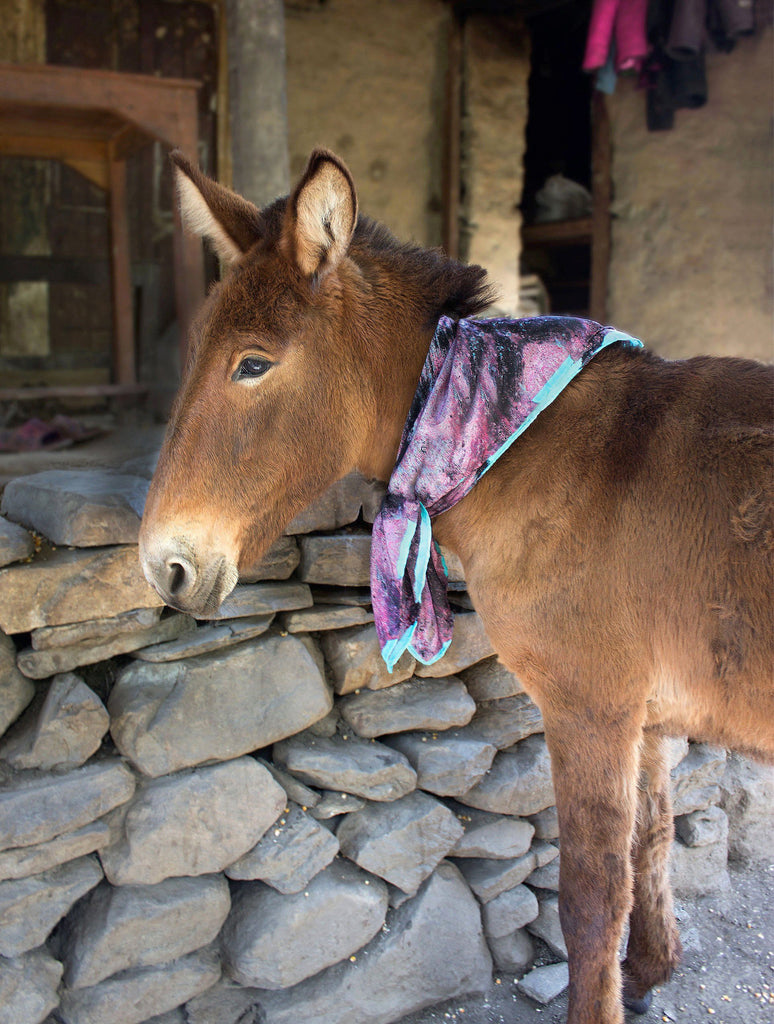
(443, 286)
(436, 285)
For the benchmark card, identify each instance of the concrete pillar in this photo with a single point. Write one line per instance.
(258, 98)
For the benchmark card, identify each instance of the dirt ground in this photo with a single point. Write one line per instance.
(727, 974)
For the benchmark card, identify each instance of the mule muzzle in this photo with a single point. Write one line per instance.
(187, 580)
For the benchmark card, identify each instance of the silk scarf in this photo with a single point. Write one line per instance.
(482, 384)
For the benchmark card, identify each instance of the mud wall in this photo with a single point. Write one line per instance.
(367, 80)
(692, 214)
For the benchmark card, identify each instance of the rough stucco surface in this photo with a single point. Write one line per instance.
(691, 260)
(497, 69)
(366, 80)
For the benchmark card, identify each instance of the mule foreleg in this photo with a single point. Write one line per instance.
(594, 765)
(653, 949)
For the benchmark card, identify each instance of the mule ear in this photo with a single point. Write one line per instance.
(230, 223)
(323, 213)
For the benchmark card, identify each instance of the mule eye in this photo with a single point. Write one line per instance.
(252, 366)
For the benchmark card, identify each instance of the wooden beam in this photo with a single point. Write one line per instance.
(452, 140)
(124, 370)
(162, 107)
(559, 232)
(50, 148)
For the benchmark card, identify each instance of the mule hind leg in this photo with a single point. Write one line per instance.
(653, 950)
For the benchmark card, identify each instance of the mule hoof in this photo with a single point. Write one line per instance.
(641, 1005)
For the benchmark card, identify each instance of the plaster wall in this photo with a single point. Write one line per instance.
(497, 69)
(692, 240)
(366, 78)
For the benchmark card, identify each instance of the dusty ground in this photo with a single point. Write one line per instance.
(727, 975)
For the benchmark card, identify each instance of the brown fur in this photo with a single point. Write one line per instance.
(619, 554)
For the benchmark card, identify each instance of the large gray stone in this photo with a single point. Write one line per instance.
(62, 728)
(339, 506)
(211, 636)
(490, 680)
(469, 645)
(431, 704)
(333, 804)
(509, 911)
(295, 790)
(519, 781)
(115, 929)
(546, 876)
(41, 664)
(699, 870)
(548, 927)
(138, 619)
(403, 841)
(135, 995)
(356, 662)
(431, 950)
(341, 559)
(491, 836)
(278, 563)
(215, 706)
(16, 691)
(507, 720)
(489, 878)
(36, 807)
(22, 861)
(513, 953)
(289, 854)
(546, 983)
(73, 586)
(15, 543)
(224, 1003)
(78, 507)
(275, 941)
(696, 779)
(546, 823)
(446, 765)
(28, 987)
(325, 617)
(193, 823)
(370, 770)
(30, 907)
(263, 599)
(748, 799)
(700, 828)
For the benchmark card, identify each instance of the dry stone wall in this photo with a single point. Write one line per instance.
(249, 815)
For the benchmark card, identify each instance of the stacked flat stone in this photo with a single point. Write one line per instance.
(249, 815)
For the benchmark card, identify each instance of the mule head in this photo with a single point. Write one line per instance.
(272, 409)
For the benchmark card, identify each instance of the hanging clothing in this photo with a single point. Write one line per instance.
(483, 383)
(622, 21)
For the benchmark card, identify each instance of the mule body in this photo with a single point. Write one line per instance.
(619, 553)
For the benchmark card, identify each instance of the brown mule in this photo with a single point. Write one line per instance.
(619, 553)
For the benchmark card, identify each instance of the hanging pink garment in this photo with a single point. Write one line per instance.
(624, 20)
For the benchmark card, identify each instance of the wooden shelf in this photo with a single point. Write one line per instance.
(559, 232)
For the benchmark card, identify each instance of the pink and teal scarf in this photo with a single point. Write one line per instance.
(483, 383)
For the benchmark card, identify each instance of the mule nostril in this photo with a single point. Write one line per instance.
(176, 579)
(180, 577)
